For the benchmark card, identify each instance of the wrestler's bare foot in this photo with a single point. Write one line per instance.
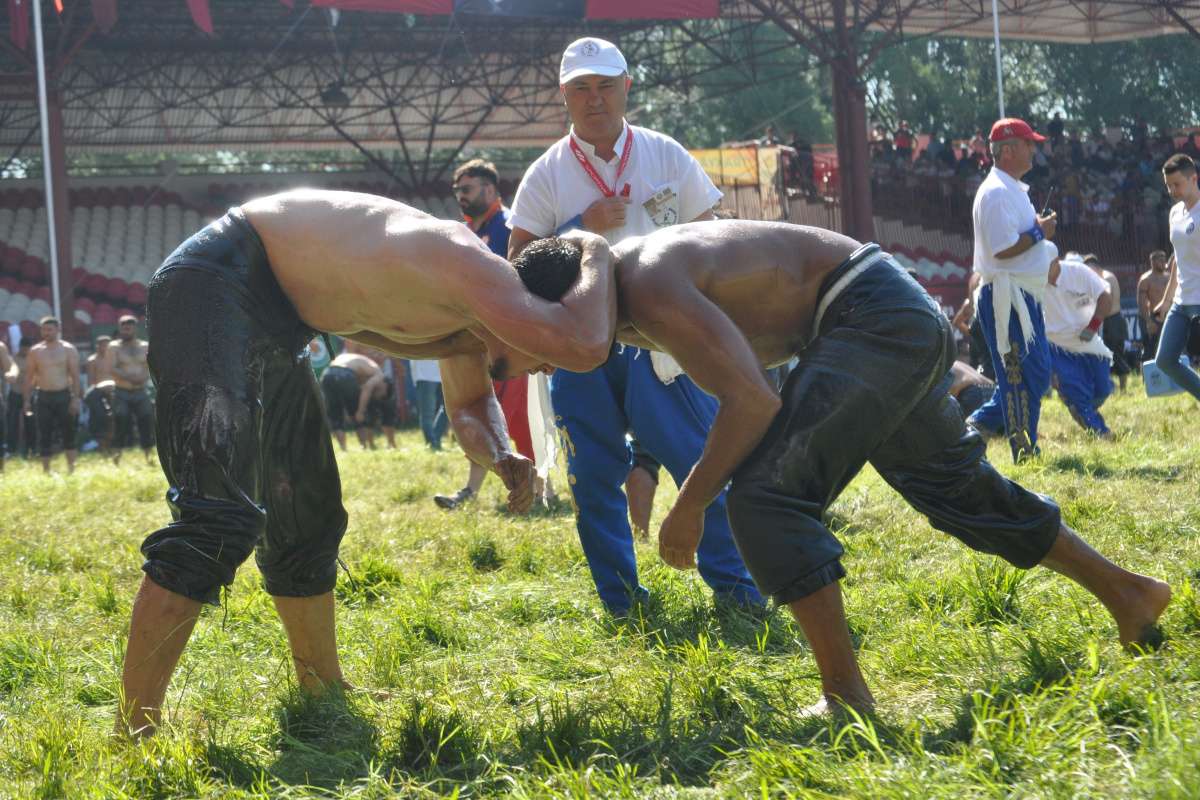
(838, 709)
(1137, 617)
(378, 695)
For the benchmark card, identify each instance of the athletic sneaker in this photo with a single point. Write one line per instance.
(452, 501)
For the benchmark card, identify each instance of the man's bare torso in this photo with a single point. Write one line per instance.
(354, 263)
(99, 367)
(1114, 286)
(362, 366)
(764, 276)
(128, 360)
(1155, 284)
(53, 360)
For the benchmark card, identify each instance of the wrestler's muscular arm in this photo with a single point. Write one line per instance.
(1168, 297)
(681, 321)
(364, 396)
(479, 425)
(73, 382)
(30, 378)
(575, 333)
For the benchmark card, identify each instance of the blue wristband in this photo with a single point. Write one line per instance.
(570, 225)
(1035, 233)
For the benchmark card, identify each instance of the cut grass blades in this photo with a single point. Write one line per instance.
(991, 591)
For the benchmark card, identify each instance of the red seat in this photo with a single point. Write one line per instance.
(86, 303)
(41, 293)
(136, 294)
(9, 283)
(31, 329)
(33, 269)
(116, 289)
(104, 314)
(95, 284)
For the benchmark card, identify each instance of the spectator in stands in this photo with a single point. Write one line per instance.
(979, 146)
(1055, 129)
(131, 402)
(582, 181)
(904, 141)
(21, 427)
(8, 372)
(1151, 288)
(1012, 254)
(1076, 304)
(431, 408)
(98, 402)
(52, 370)
(880, 143)
(769, 139)
(1181, 302)
(1113, 330)
(98, 365)
(477, 190)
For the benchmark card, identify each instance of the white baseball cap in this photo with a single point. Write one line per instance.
(591, 56)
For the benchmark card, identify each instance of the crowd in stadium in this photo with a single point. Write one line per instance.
(1106, 178)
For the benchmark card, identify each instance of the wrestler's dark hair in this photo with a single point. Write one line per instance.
(1091, 258)
(25, 342)
(49, 321)
(478, 168)
(1180, 162)
(549, 267)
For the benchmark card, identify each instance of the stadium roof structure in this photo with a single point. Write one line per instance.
(420, 79)
(263, 74)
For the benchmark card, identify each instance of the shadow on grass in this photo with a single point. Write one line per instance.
(736, 626)
(322, 741)
(1093, 469)
(1046, 664)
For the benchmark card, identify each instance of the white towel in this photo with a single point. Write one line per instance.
(1006, 295)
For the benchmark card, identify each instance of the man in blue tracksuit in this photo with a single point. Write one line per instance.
(620, 181)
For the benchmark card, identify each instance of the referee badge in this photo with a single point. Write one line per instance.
(663, 207)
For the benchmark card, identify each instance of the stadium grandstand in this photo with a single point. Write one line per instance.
(409, 93)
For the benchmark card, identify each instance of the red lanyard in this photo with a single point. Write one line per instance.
(595, 176)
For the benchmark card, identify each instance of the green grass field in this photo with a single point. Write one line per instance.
(507, 678)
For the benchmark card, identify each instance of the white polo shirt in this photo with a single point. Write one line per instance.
(1185, 239)
(1069, 306)
(1001, 212)
(666, 186)
(424, 370)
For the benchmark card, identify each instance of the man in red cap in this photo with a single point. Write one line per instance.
(1013, 251)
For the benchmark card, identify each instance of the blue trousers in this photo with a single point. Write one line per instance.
(1084, 382)
(431, 412)
(1016, 404)
(593, 411)
(1171, 341)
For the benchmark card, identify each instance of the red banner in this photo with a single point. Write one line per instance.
(653, 9)
(18, 22)
(201, 15)
(429, 7)
(105, 14)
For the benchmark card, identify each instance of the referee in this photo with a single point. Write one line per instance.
(1013, 252)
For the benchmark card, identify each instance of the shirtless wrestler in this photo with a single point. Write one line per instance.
(729, 298)
(53, 371)
(241, 434)
(130, 370)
